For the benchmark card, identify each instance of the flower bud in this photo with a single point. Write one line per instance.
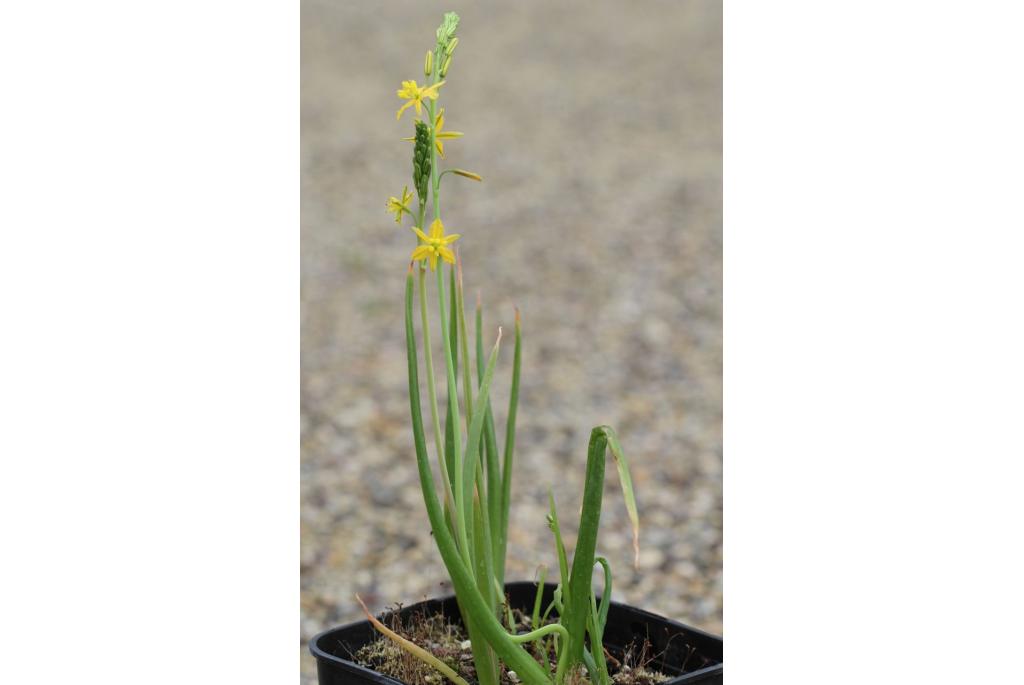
(467, 174)
(451, 46)
(446, 31)
(444, 67)
(428, 63)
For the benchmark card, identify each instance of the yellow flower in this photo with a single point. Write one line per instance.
(434, 245)
(414, 94)
(439, 135)
(399, 206)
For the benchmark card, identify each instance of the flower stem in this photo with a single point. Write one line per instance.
(432, 390)
(461, 509)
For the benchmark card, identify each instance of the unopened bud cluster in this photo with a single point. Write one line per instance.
(446, 31)
(421, 160)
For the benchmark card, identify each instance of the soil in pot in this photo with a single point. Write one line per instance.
(641, 648)
(447, 640)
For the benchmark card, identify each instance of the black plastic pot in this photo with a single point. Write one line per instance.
(688, 654)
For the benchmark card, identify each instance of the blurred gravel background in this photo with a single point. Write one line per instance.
(597, 127)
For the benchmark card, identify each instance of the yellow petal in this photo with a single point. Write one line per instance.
(437, 229)
(439, 121)
(419, 106)
(421, 234)
(431, 92)
(411, 139)
(404, 107)
(447, 255)
(440, 147)
(448, 239)
(422, 252)
(446, 134)
(433, 260)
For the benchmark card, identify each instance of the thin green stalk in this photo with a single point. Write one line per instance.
(588, 661)
(563, 564)
(451, 426)
(554, 604)
(596, 663)
(535, 617)
(562, 647)
(476, 426)
(559, 632)
(467, 388)
(494, 491)
(461, 506)
(606, 593)
(483, 547)
(482, 558)
(541, 632)
(510, 441)
(482, 654)
(595, 660)
(449, 497)
(478, 325)
(419, 225)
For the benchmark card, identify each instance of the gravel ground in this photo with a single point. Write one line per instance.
(597, 127)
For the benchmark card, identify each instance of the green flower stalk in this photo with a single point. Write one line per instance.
(469, 521)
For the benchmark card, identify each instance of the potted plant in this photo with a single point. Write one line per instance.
(491, 632)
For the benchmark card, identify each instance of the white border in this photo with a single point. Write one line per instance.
(149, 367)
(873, 342)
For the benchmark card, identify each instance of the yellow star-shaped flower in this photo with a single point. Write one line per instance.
(400, 206)
(414, 94)
(439, 135)
(434, 245)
